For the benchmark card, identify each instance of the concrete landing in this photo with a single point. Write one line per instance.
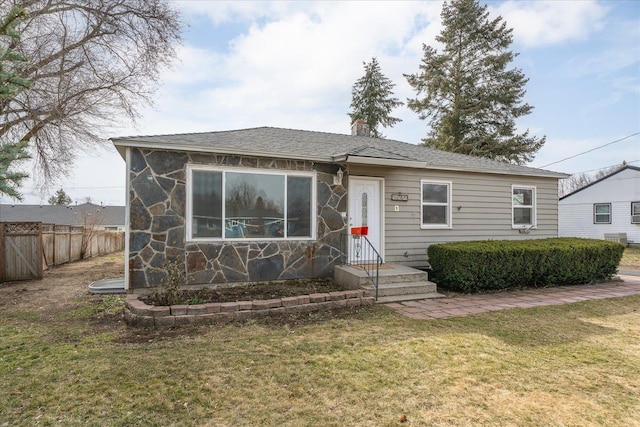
(395, 282)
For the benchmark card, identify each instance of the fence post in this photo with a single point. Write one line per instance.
(53, 258)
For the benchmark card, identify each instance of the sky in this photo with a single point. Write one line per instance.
(293, 64)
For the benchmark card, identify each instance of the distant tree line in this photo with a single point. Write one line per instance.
(580, 180)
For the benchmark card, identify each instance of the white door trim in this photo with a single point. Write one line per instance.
(380, 206)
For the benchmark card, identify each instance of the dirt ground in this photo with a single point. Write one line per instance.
(63, 288)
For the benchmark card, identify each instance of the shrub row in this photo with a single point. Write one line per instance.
(506, 264)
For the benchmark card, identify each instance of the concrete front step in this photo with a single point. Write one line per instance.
(409, 297)
(395, 282)
(356, 277)
(402, 288)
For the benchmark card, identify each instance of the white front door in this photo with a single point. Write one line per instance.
(365, 210)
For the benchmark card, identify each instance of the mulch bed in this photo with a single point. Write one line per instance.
(260, 291)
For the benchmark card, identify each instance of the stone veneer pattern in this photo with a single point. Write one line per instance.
(158, 233)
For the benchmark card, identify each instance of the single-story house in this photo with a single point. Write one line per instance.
(266, 203)
(85, 214)
(609, 206)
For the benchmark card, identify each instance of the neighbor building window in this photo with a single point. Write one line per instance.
(226, 204)
(436, 204)
(523, 206)
(635, 212)
(602, 213)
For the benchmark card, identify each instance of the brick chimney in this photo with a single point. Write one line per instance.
(360, 128)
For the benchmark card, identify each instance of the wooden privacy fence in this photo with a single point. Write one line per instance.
(28, 248)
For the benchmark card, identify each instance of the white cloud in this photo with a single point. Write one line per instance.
(294, 69)
(541, 23)
(292, 64)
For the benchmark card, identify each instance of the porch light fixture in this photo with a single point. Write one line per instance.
(337, 180)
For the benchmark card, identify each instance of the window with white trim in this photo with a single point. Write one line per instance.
(602, 213)
(246, 204)
(635, 212)
(435, 204)
(523, 206)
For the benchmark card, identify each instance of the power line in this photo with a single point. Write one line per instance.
(588, 151)
(604, 167)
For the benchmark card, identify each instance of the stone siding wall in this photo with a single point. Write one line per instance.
(158, 226)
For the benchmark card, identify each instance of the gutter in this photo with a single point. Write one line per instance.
(423, 165)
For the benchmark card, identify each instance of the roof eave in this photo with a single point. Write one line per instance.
(122, 144)
(375, 161)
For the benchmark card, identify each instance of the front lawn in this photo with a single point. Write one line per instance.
(630, 259)
(576, 364)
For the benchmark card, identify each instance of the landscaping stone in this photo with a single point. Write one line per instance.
(197, 309)
(165, 322)
(290, 301)
(228, 307)
(179, 310)
(160, 311)
(318, 297)
(139, 314)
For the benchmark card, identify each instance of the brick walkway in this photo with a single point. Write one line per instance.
(481, 303)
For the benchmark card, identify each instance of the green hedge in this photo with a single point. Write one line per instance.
(507, 264)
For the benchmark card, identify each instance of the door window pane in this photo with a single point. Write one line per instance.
(365, 203)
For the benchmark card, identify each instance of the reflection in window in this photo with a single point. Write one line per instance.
(523, 204)
(436, 203)
(255, 205)
(602, 213)
(298, 206)
(207, 204)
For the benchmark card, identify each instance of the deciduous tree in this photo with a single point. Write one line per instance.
(91, 64)
(468, 92)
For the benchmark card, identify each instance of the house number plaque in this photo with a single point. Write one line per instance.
(399, 197)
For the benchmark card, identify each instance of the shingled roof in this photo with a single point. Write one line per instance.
(325, 147)
(64, 215)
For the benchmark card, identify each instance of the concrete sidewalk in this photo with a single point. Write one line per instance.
(481, 303)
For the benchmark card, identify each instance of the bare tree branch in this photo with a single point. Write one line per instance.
(92, 63)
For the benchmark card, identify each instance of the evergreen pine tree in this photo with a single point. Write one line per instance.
(10, 85)
(372, 99)
(467, 92)
(60, 198)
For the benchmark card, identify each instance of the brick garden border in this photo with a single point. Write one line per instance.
(137, 313)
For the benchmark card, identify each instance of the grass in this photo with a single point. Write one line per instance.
(575, 364)
(631, 258)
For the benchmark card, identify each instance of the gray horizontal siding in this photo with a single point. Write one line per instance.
(485, 209)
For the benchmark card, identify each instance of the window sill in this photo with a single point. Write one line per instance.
(249, 240)
(435, 227)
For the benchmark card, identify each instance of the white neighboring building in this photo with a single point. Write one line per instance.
(606, 206)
